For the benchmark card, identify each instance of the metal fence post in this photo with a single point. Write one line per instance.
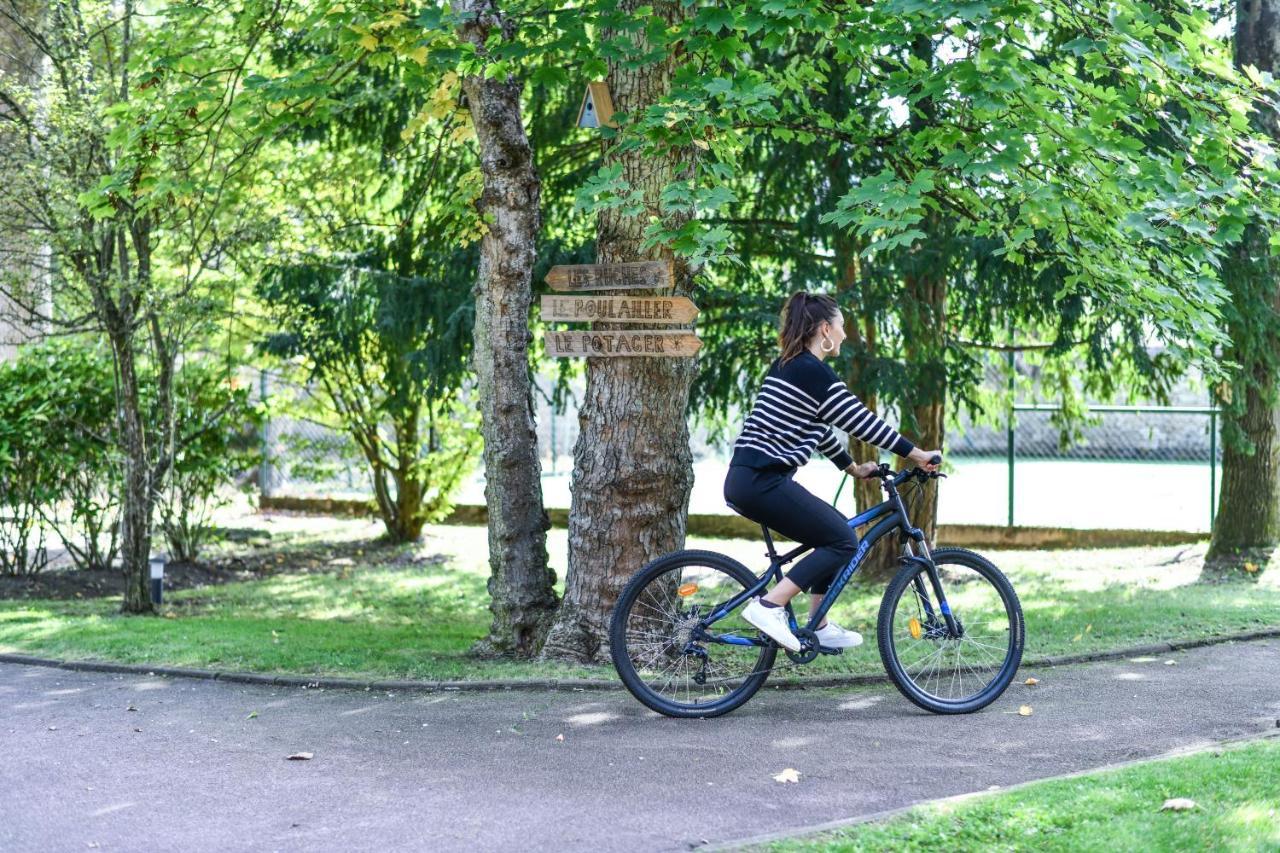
(551, 412)
(1010, 428)
(1213, 466)
(264, 470)
(1010, 465)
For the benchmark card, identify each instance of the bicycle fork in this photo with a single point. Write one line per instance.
(954, 627)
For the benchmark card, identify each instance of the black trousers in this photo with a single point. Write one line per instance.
(770, 497)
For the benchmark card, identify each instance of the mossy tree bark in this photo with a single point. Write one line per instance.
(1246, 530)
(522, 598)
(633, 469)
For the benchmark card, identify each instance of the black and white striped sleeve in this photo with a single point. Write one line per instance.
(829, 446)
(839, 407)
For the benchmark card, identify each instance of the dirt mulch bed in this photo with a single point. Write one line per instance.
(254, 560)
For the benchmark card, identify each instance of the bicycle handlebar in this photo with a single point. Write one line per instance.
(884, 472)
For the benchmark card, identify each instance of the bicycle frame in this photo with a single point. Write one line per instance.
(891, 516)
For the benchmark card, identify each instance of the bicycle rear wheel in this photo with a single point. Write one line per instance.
(938, 672)
(662, 655)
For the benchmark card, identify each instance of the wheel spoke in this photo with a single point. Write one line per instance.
(659, 623)
(948, 670)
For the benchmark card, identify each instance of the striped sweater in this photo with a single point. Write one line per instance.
(793, 414)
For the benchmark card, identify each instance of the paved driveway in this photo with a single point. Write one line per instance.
(92, 761)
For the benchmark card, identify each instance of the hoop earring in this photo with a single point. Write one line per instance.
(826, 348)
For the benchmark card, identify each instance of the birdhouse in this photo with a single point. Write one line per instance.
(597, 107)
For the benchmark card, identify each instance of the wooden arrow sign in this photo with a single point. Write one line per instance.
(631, 276)
(608, 344)
(618, 309)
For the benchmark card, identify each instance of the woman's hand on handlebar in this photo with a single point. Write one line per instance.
(927, 460)
(863, 471)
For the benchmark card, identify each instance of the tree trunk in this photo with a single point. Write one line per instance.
(522, 595)
(860, 324)
(1246, 529)
(923, 326)
(923, 319)
(137, 501)
(633, 469)
(402, 515)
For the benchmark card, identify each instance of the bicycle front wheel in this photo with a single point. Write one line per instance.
(662, 653)
(939, 672)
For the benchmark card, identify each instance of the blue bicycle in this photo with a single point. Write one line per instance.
(950, 627)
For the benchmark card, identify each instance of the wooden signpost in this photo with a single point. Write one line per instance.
(618, 309)
(616, 343)
(640, 275)
(590, 307)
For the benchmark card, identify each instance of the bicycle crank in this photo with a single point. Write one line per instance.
(810, 647)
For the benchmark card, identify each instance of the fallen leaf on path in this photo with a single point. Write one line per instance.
(131, 708)
(1171, 663)
(252, 715)
(1025, 711)
(560, 737)
(788, 775)
(1031, 682)
(301, 756)
(1178, 804)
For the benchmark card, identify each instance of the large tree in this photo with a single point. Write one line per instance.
(971, 183)
(1102, 172)
(1246, 530)
(135, 169)
(632, 468)
(367, 279)
(522, 598)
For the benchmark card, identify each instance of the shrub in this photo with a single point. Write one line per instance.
(25, 473)
(214, 440)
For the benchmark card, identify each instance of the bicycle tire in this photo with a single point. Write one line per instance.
(888, 649)
(622, 656)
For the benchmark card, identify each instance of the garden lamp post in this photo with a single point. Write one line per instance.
(157, 578)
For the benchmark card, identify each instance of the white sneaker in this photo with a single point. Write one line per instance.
(833, 636)
(773, 622)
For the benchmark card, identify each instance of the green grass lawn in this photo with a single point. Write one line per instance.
(1236, 791)
(415, 613)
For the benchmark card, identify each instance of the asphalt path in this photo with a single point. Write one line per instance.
(122, 762)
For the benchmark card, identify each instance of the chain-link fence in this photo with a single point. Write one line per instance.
(1120, 467)
(304, 457)
(1133, 464)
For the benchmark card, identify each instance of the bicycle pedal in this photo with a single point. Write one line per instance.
(825, 650)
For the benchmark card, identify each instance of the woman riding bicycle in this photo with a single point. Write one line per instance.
(799, 402)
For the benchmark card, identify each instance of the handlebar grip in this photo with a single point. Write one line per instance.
(936, 459)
